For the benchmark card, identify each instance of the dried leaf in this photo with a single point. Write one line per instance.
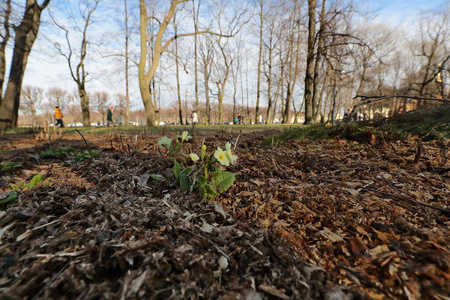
(184, 248)
(207, 228)
(24, 235)
(223, 262)
(379, 249)
(357, 246)
(220, 210)
(137, 283)
(333, 237)
(4, 229)
(257, 182)
(353, 191)
(273, 291)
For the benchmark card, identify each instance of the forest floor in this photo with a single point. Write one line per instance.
(330, 219)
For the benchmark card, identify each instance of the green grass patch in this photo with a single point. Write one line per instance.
(431, 124)
(60, 152)
(88, 155)
(300, 132)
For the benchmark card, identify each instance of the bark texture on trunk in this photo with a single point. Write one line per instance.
(26, 34)
(309, 113)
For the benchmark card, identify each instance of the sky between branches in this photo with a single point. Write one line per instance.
(47, 69)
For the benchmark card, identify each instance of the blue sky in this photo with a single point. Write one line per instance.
(398, 12)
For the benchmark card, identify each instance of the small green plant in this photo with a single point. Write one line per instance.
(9, 166)
(7, 198)
(174, 147)
(34, 182)
(88, 155)
(60, 152)
(205, 175)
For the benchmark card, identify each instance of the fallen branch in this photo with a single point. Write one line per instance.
(443, 210)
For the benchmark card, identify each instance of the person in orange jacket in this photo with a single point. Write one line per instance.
(58, 117)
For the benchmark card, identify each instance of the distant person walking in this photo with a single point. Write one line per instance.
(194, 117)
(239, 119)
(58, 117)
(109, 118)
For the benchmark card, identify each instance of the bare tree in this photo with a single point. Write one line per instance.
(273, 37)
(150, 57)
(432, 48)
(206, 51)
(58, 96)
(195, 15)
(292, 60)
(31, 97)
(25, 35)
(76, 59)
(222, 69)
(127, 16)
(258, 84)
(177, 69)
(99, 100)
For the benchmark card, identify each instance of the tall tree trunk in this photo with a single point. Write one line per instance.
(3, 44)
(287, 104)
(270, 100)
(293, 60)
(146, 76)
(220, 87)
(320, 49)
(208, 104)
(84, 101)
(177, 71)
(309, 113)
(258, 85)
(26, 34)
(195, 14)
(127, 84)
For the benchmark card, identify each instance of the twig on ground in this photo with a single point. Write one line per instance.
(212, 243)
(123, 146)
(53, 278)
(366, 281)
(237, 140)
(419, 151)
(82, 137)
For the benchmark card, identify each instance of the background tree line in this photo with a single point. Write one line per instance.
(291, 60)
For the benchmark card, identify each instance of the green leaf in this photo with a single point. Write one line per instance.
(209, 191)
(185, 182)
(38, 178)
(60, 152)
(201, 182)
(10, 197)
(95, 153)
(223, 181)
(10, 166)
(186, 171)
(176, 170)
(156, 177)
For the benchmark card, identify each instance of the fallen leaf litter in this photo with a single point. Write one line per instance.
(304, 220)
